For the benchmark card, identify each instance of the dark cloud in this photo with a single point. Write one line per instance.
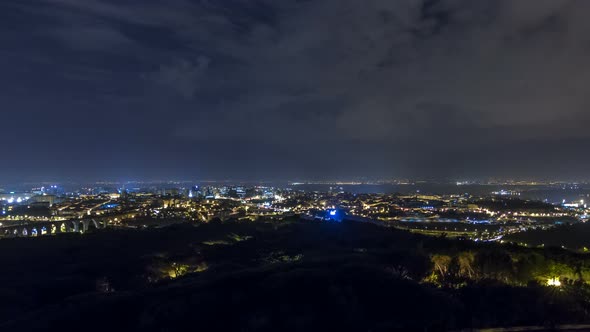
(184, 76)
(319, 88)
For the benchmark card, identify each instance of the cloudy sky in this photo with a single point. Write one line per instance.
(294, 89)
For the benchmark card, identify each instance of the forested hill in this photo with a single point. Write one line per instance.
(290, 276)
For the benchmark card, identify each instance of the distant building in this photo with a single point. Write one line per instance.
(49, 199)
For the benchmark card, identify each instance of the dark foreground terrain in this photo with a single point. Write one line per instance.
(283, 277)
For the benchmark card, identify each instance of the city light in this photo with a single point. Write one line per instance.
(553, 282)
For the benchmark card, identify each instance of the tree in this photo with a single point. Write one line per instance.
(441, 266)
(494, 264)
(465, 261)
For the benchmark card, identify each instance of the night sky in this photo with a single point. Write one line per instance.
(286, 89)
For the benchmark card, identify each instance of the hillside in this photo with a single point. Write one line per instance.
(283, 276)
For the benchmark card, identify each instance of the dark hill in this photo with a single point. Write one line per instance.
(281, 277)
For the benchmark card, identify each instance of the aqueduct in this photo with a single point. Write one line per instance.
(53, 227)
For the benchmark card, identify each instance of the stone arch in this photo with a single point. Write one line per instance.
(34, 231)
(43, 230)
(84, 226)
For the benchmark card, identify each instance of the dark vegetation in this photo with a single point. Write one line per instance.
(572, 236)
(514, 204)
(283, 277)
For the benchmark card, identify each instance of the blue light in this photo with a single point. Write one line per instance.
(333, 215)
(109, 206)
